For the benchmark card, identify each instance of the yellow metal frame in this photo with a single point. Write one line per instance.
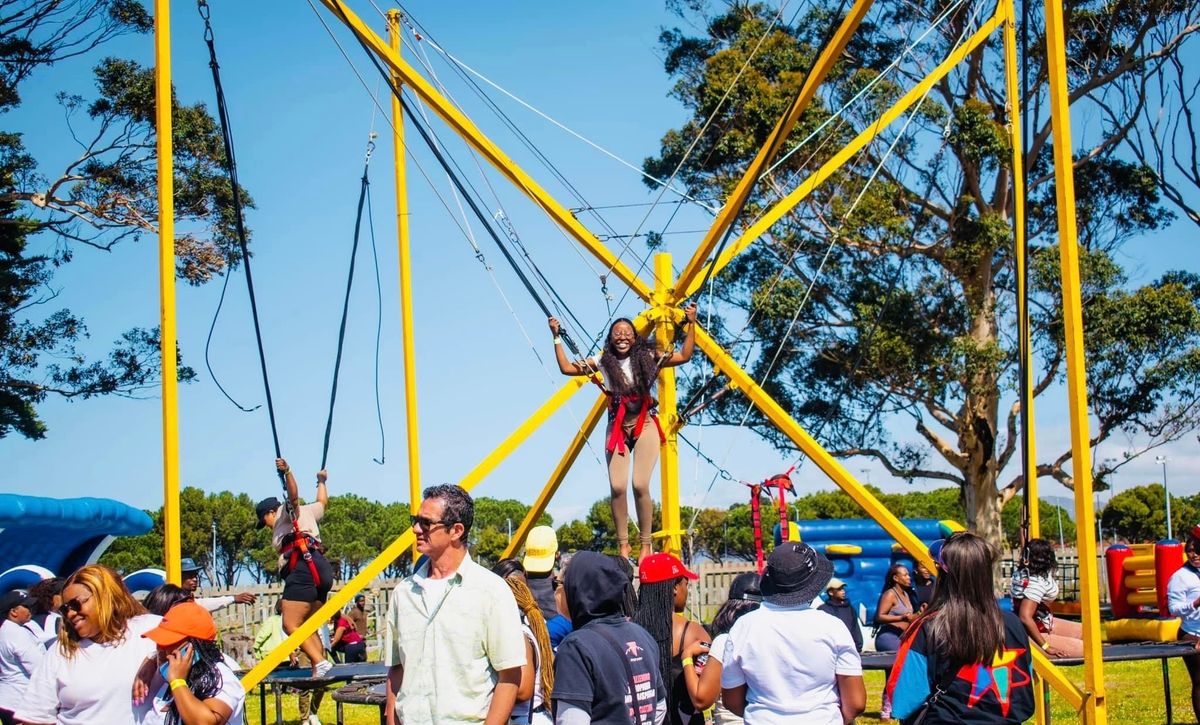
(166, 287)
(406, 303)
(664, 297)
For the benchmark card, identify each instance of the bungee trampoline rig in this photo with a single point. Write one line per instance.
(663, 293)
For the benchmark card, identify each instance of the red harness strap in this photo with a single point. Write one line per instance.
(299, 547)
(616, 437)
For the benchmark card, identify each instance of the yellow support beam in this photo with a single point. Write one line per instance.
(406, 302)
(340, 598)
(741, 380)
(789, 202)
(668, 462)
(1013, 97)
(1095, 710)
(489, 150)
(556, 478)
(166, 286)
(737, 200)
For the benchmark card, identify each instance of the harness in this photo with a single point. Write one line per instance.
(616, 437)
(299, 545)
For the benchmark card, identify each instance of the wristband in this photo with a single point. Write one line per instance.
(557, 340)
(178, 682)
(687, 661)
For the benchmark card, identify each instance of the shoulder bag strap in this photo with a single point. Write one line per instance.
(633, 698)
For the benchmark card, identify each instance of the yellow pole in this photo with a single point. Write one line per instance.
(166, 286)
(736, 200)
(1095, 711)
(667, 401)
(775, 213)
(1029, 441)
(406, 302)
(556, 478)
(470, 133)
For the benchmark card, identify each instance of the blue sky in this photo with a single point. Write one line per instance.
(301, 120)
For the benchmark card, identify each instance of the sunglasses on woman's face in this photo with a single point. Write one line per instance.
(73, 605)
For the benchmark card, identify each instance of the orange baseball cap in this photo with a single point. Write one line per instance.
(182, 621)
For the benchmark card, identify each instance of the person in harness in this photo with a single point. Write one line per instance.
(306, 573)
(630, 364)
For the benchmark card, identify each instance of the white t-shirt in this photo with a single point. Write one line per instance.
(21, 651)
(47, 632)
(212, 604)
(231, 693)
(94, 686)
(1042, 589)
(788, 658)
(520, 711)
(716, 653)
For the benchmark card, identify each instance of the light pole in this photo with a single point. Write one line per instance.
(1162, 460)
(213, 575)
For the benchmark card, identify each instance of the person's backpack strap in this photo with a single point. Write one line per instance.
(616, 645)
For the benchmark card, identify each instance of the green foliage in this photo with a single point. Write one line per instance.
(885, 298)
(1139, 514)
(107, 195)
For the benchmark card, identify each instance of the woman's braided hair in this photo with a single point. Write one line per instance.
(537, 623)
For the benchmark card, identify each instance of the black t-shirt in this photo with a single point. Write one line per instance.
(845, 612)
(999, 692)
(589, 673)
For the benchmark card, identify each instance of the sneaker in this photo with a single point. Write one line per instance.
(321, 669)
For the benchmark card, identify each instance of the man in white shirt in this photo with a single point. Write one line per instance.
(453, 632)
(1183, 601)
(190, 581)
(786, 663)
(20, 652)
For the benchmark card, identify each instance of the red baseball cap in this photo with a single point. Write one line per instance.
(182, 621)
(663, 567)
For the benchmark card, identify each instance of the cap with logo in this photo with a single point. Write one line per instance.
(663, 567)
(540, 547)
(186, 620)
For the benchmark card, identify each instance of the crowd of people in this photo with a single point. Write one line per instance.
(550, 638)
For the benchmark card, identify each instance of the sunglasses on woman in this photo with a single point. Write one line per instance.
(73, 605)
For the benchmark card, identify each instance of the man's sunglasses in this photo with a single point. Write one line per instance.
(427, 524)
(71, 605)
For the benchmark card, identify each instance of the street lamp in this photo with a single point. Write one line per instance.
(1162, 460)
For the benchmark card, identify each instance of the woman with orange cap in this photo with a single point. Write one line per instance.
(201, 687)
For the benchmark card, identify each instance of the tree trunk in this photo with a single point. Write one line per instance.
(982, 504)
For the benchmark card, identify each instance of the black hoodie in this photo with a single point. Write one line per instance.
(590, 666)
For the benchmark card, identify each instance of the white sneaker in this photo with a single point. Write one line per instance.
(321, 669)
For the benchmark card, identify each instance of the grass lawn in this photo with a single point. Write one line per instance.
(1135, 697)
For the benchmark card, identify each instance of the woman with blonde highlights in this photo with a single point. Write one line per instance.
(87, 677)
(537, 676)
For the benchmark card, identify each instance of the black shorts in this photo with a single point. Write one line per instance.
(298, 585)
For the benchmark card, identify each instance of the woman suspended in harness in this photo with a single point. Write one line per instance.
(630, 364)
(306, 573)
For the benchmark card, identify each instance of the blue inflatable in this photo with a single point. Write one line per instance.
(861, 551)
(143, 580)
(60, 535)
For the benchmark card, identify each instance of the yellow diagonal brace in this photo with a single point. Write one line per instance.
(489, 150)
(775, 213)
(733, 204)
(341, 597)
(556, 478)
(1095, 709)
(741, 380)
(1056, 677)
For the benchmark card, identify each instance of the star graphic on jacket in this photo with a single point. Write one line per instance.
(1001, 677)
